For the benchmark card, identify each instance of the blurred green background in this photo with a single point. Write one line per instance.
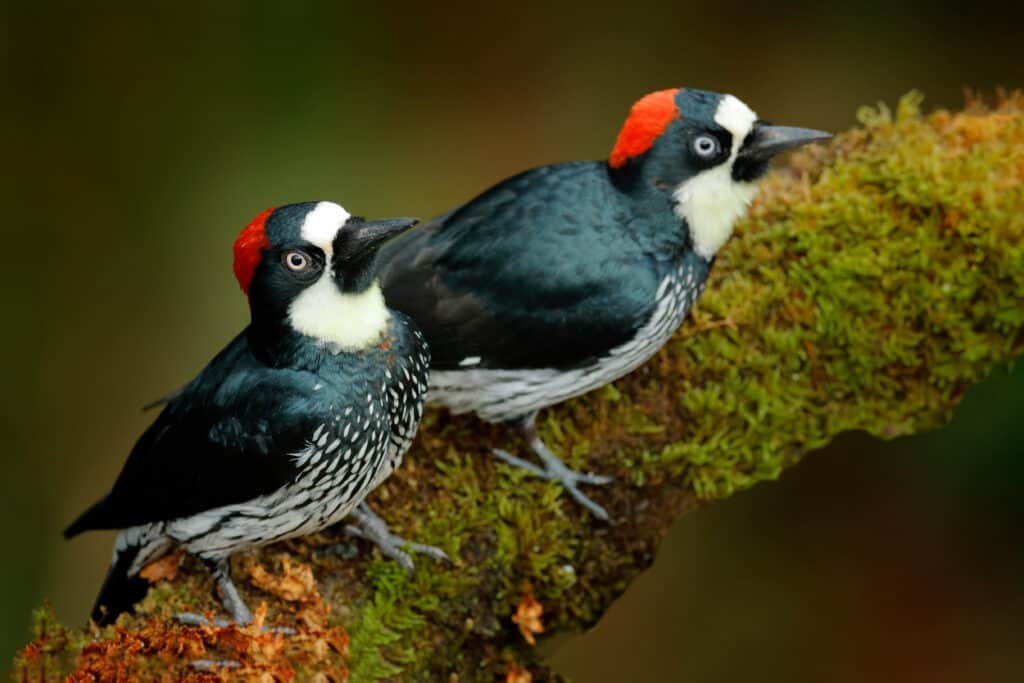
(137, 141)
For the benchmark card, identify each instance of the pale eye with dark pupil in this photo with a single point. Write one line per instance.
(705, 146)
(296, 261)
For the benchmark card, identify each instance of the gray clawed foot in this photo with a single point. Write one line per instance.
(213, 664)
(568, 478)
(374, 529)
(554, 469)
(193, 619)
(230, 598)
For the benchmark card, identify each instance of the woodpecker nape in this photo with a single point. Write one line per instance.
(290, 426)
(566, 277)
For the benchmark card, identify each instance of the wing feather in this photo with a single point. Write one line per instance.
(213, 444)
(516, 279)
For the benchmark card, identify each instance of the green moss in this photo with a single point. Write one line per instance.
(884, 282)
(49, 655)
(499, 535)
(872, 283)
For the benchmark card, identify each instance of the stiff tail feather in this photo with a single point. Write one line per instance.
(134, 549)
(120, 591)
(93, 518)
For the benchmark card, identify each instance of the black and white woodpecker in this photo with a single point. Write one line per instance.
(290, 426)
(563, 278)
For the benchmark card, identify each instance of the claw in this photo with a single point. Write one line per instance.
(595, 479)
(428, 550)
(214, 664)
(583, 500)
(523, 464)
(193, 619)
(387, 547)
(554, 469)
(568, 478)
(374, 529)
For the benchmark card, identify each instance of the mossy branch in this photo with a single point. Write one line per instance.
(874, 281)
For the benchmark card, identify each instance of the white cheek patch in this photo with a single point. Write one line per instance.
(711, 201)
(347, 321)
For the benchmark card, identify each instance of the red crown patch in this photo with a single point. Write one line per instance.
(251, 241)
(647, 120)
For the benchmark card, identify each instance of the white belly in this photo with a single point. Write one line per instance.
(499, 395)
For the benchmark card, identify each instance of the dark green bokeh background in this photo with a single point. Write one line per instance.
(136, 142)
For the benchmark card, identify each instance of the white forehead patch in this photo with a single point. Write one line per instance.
(322, 225)
(735, 117)
(711, 201)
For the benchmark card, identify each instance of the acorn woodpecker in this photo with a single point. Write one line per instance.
(563, 278)
(290, 426)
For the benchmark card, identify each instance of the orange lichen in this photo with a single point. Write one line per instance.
(245, 653)
(164, 569)
(162, 649)
(41, 660)
(294, 584)
(517, 674)
(527, 617)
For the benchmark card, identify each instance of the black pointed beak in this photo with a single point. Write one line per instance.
(356, 247)
(764, 142)
(364, 238)
(371, 234)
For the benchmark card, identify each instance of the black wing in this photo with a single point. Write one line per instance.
(212, 445)
(520, 279)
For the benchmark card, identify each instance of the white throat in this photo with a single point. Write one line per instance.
(346, 322)
(711, 201)
(350, 322)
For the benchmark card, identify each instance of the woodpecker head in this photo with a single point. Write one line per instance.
(311, 268)
(705, 151)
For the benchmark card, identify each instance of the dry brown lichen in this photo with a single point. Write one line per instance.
(528, 618)
(159, 648)
(874, 281)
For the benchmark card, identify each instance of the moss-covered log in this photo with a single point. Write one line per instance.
(874, 281)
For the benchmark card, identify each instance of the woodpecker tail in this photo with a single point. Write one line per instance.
(96, 517)
(120, 590)
(123, 587)
(164, 400)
